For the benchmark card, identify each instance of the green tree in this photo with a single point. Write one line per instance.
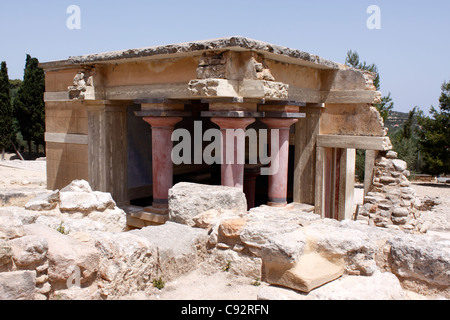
(386, 103)
(29, 107)
(6, 112)
(434, 135)
(14, 85)
(405, 140)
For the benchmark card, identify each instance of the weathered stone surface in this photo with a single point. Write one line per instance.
(391, 154)
(284, 248)
(215, 44)
(75, 294)
(44, 201)
(379, 286)
(77, 186)
(128, 263)
(179, 248)
(79, 197)
(85, 202)
(19, 213)
(400, 212)
(231, 227)
(206, 218)
(64, 254)
(29, 251)
(310, 271)
(421, 261)
(399, 165)
(11, 227)
(187, 200)
(5, 253)
(68, 225)
(237, 264)
(17, 285)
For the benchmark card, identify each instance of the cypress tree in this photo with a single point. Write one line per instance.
(6, 112)
(29, 107)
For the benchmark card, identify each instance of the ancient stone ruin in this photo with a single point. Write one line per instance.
(120, 215)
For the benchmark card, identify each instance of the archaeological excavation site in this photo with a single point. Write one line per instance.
(230, 160)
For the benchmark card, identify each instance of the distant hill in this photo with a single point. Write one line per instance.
(395, 120)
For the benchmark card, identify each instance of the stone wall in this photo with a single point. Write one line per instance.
(391, 201)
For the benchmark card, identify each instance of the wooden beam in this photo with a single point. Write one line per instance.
(306, 131)
(346, 184)
(319, 182)
(354, 142)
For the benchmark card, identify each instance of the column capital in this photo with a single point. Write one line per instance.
(232, 123)
(162, 122)
(279, 123)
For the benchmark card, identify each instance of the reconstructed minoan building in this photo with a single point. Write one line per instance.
(110, 118)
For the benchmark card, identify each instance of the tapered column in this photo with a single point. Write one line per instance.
(278, 179)
(162, 128)
(233, 149)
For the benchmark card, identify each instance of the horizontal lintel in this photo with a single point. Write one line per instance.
(354, 142)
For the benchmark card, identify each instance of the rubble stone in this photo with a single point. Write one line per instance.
(188, 200)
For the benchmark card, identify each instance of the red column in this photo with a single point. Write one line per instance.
(233, 171)
(162, 128)
(278, 180)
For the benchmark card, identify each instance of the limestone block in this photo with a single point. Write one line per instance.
(380, 286)
(5, 253)
(239, 264)
(232, 227)
(77, 186)
(284, 248)
(29, 251)
(182, 253)
(68, 225)
(187, 200)
(206, 218)
(421, 260)
(309, 272)
(17, 285)
(11, 227)
(399, 165)
(128, 262)
(64, 254)
(350, 244)
(45, 201)
(400, 212)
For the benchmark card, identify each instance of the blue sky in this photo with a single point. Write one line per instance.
(411, 49)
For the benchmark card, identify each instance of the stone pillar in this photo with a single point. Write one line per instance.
(278, 181)
(107, 148)
(162, 128)
(233, 156)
